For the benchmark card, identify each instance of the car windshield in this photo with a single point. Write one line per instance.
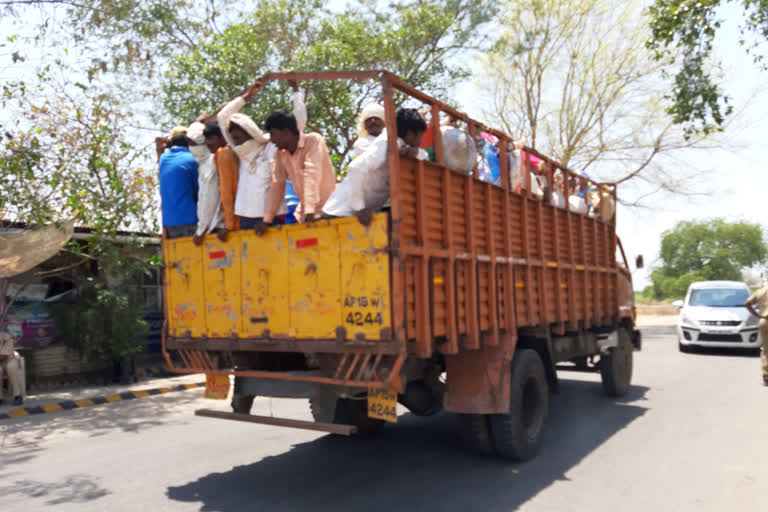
(719, 297)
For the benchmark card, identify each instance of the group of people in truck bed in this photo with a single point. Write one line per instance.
(224, 173)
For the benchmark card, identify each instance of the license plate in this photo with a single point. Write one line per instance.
(216, 387)
(382, 404)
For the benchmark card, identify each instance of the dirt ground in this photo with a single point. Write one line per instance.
(656, 314)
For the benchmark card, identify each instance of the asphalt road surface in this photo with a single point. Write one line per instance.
(691, 435)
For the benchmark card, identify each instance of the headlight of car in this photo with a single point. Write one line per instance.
(687, 320)
(752, 321)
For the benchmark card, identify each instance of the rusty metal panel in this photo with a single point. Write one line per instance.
(478, 381)
(439, 297)
(184, 291)
(265, 291)
(222, 282)
(486, 320)
(366, 307)
(410, 298)
(461, 271)
(314, 278)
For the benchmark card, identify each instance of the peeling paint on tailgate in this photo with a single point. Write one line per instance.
(300, 281)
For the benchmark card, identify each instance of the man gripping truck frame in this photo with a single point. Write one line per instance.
(429, 302)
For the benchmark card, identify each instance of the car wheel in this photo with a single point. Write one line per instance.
(683, 348)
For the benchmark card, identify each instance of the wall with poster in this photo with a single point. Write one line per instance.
(32, 325)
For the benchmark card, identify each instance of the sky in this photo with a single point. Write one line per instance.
(735, 172)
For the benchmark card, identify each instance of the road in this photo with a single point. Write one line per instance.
(692, 434)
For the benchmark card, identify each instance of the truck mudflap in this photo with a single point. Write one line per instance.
(637, 339)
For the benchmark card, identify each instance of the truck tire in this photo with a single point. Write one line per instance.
(347, 412)
(476, 432)
(242, 403)
(517, 434)
(616, 366)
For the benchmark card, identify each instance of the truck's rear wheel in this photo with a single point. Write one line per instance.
(242, 403)
(347, 412)
(517, 435)
(616, 365)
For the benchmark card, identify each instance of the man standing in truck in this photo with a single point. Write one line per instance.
(256, 155)
(178, 186)
(227, 169)
(366, 187)
(760, 298)
(302, 158)
(209, 217)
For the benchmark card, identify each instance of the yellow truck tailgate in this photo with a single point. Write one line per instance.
(324, 280)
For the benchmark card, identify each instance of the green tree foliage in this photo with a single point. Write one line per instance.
(417, 40)
(65, 152)
(696, 100)
(706, 250)
(105, 320)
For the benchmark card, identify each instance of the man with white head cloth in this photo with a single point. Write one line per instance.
(256, 154)
(209, 214)
(11, 364)
(370, 126)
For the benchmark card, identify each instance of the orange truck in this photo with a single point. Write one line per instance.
(436, 305)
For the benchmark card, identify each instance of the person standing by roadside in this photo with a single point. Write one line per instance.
(10, 363)
(178, 186)
(760, 299)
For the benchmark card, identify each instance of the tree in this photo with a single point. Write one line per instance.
(706, 250)
(687, 28)
(66, 153)
(417, 40)
(573, 79)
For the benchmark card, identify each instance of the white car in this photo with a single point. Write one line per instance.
(713, 315)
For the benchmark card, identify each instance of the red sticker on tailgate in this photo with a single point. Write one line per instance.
(307, 242)
(217, 255)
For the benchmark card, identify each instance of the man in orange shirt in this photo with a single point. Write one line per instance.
(302, 158)
(227, 167)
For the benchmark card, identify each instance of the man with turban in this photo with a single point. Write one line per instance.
(11, 364)
(369, 127)
(209, 216)
(366, 186)
(256, 154)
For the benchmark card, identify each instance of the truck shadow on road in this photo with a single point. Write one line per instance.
(418, 464)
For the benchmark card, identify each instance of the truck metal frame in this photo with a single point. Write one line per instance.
(466, 291)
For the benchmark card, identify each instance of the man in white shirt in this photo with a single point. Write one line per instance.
(366, 186)
(370, 126)
(256, 154)
(209, 215)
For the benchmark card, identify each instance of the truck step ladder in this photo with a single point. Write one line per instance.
(333, 428)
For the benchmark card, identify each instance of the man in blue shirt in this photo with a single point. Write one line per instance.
(178, 186)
